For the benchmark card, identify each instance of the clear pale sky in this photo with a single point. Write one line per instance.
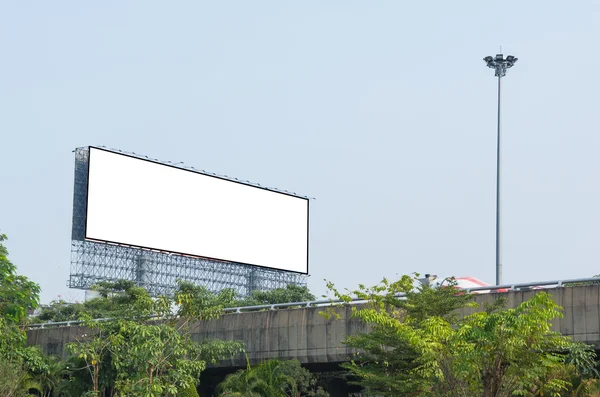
(382, 110)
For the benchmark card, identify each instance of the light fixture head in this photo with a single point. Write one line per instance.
(428, 279)
(488, 59)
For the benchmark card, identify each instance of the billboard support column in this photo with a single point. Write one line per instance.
(252, 280)
(141, 276)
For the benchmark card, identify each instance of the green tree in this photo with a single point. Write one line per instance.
(584, 283)
(495, 352)
(119, 298)
(116, 300)
(387, 361)
(12, 342)
(272, 378)
(50, 375)
(190, 391)
(306, 382)
(579, 368)
(60, 310)
(94, 351)
(290, 294)
(133, 354)
(197, 302)
(74, 379)
(154, 360)
(18, 294)
(15, 381)
(268, 379)
(19, 363)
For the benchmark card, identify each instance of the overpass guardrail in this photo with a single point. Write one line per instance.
(541, 285)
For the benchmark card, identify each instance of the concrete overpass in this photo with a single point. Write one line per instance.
(305, 335)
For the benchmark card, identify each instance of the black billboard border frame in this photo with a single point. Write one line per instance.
(201, 173)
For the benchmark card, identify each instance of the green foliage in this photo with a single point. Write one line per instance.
(387, 361)
(122, 298)
(49, 374)
(12, 341)
(269, 379)
(306, 382)
(17, 293)
(213, 350)
(134, 355)
(582, 358)
(60, 310)
(291, 293)
(584, 283)
(199, 303)
(579, 370)
(74, 378)
(419, 347)
(495, 352)
(14, 380)
(272, 378)
(18, 362)
(94, 351)
(154, 359)
(190, 391)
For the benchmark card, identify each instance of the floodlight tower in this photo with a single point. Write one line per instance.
(500, 65)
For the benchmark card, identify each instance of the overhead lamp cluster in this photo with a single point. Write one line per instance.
(500, 64)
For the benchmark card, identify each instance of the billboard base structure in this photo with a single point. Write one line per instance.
(156, 271)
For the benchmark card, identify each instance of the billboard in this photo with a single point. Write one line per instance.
(146, 204)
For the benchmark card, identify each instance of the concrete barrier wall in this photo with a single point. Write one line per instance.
(54, 340)
(305, 335)
(302, 334)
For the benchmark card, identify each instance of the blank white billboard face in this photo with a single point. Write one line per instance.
(150, 205)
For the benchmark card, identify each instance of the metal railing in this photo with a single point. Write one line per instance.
(329, 302)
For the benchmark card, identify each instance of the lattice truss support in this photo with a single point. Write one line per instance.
(156, 271)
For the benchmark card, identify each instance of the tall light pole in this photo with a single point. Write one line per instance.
(500, 65)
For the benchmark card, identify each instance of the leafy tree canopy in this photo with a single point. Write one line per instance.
(117, 299)
(290, 294)
(386, 361)
(418, 345)
(132, 354)
(272, 378)
(18, 363)
(123, 297)
(18, 294)
(189, 392)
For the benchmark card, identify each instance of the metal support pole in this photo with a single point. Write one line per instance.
(500, 66)
(252, 280)
(498, 191)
